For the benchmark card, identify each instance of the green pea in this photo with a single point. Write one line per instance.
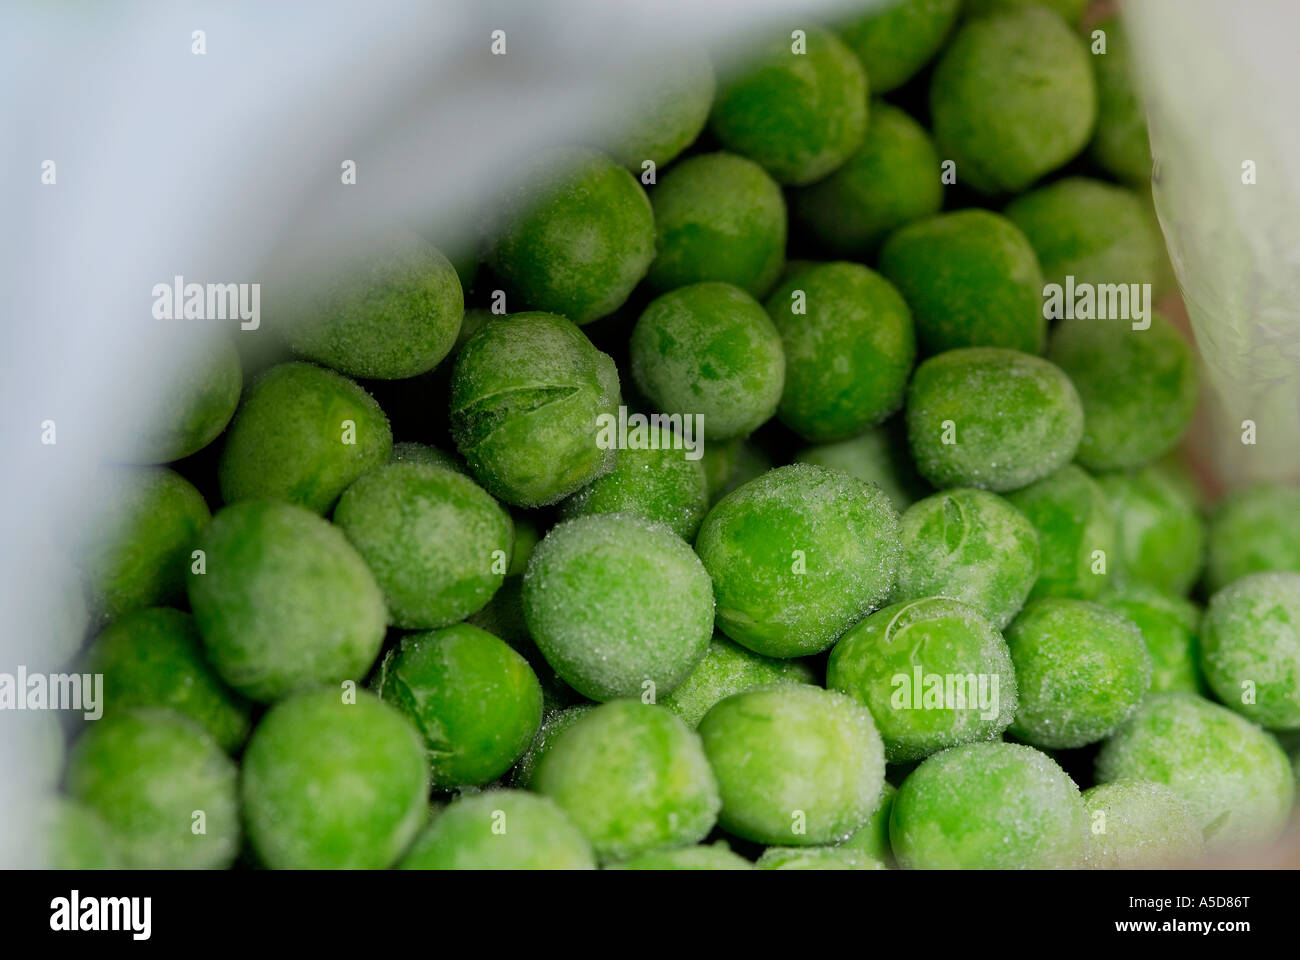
(815, 858)
(504, 617)
(1120, 144)
(154, 658)
(971, 279)
(1076, 533)
(798, 555)
(500, 830)
(1160, 534)
(1232, 774)
(165, 788)
(1071, 10)
(1170, 625)
(878, 455)
(871, 840)
(895, 39)
(553, 725)
(75, 837)
(580, 240)
(202, 393)
(633, 778)
(796, 765)
(988, 806)
(527, 393)
(1252, 531)
(991, 418)
(1139, 824)
(284, 601)
(719, 218)
(729, 668)
(710, 350)
(717, 856)
(849, 348)
(1012, 98)
(302, 434)
(476, 702)
(661, 119)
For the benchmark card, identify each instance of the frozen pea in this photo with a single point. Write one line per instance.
(504, 617)
(1169, 624)
(389, 314)
(154, 658)
(284, 601)
(527, 395)
(971, 280)
(849, 348)
(1082, 670)
(579, 237)
(1232, 774)
(991, 418)
(798, 555)
(1076, 533)
(202, 393)
(526, 537)
(333, 780)
(655, 481)
(878, 455)
(1095, 232)
(896, 38)
(1120, 144)
(796, 765)
(720, 218)
(1139, 824)
(423, 453)
(934, 673)
(970, 545)
(710, 350)
(1012, 98)
(717, 856)
(667, 113)
(1250, 648)
(476, 702)
(140, 546)
(75, 837)
(888, 182)
(1138, 387)
(729, 668)
(154, 777)
(988, 806)
(1071, 10)
(872, 838)
(633, 778)
(500, 830)
(302, 434)
(1160, 537)
(798, 107)
(1252, 531)
(618, 605)
(438, 545)
(815, 858)
(525, 771)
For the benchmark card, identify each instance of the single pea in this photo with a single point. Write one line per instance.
(896, 39)
(500, 830)
(1095, 232)
(1082, 670)
(1012, 98)
(798, 106)
(1139, 824)
(710, 350)
(1138, 387)
(798, 555)
(1071, 10)
(202, 392)
(1120, 144)
(155, 778)
(872, 838)
(284, 601)
(1253, 531)
(988, 806)
(1250, 648)
(616, 603)
(633, 778)
(991, 418)
(333, 780)
(970, 545)
(476, 702)
(888, 182)
(666, 115)
(527, 395)
(438, 545)
(796, 765)
(815, 858)
(1159, 532)
(717, 856)
(878, 455)
(392, 313)
(553, 725)
(302, 434)
(423, 453)
(849, 349)
(75, 837)
(656, 482)
(719, 218)
(1232, 774)
(1170, 625)
(729, 668)
(1076, 533)
(971, 279)
(933, 672)
(580, 237)
(149, 521)
(154, 658)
